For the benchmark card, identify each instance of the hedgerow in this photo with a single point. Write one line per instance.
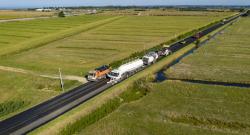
(135, 92)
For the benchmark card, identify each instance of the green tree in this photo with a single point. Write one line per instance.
(61, 14)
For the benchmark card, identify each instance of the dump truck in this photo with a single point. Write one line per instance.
(98, 73)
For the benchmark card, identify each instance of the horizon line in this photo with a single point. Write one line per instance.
(200, 5)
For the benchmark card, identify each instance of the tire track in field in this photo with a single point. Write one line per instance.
(24, 71)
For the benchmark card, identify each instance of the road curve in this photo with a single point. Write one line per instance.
(36, 116)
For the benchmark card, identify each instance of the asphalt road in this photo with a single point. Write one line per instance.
(34, 117)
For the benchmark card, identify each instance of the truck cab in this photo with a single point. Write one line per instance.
(98, 73)
(115, 75)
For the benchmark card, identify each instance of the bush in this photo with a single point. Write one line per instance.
(11, 106)
(61, 14)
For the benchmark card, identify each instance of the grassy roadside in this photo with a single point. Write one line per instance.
(37, 42)
(138, 90)
(207, 37)
(21, 91)
(70, 117)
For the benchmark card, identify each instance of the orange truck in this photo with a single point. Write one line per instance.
(98, 73)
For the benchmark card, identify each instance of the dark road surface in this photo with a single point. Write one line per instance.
(34, 117)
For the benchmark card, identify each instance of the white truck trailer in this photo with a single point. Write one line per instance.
(125, 70)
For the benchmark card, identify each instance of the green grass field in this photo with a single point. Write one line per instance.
(15, 36)
(106, 43)
(29, 89)
(175, 107)
(224, 59)
(11, 14)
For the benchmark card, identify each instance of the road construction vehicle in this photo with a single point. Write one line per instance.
(98, 73)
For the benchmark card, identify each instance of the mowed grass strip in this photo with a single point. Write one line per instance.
(174, 107)
(52, 31)
(224, 59)
(127, 35)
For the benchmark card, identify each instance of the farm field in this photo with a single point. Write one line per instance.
(11, 14)
(16, 36)
(115, 40)
(20, 91)
(161, 12)
(174, 107)
(224, 59)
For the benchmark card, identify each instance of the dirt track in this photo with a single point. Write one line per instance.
(23, 71)
(23, 19)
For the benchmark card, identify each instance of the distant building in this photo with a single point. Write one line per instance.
(43, 10)
(94, 11)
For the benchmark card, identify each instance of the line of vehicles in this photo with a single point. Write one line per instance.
(128, 69)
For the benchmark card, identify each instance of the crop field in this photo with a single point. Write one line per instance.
(18, 35)
(162, 12)
(174, 107)
(19, 91)
(224, 59)
(101, 45)
(11, 14)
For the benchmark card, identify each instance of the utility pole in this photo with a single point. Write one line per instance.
(61, 80)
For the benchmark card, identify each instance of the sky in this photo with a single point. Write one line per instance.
(46, 3)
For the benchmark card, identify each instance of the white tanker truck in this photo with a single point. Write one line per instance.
(125, 71)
